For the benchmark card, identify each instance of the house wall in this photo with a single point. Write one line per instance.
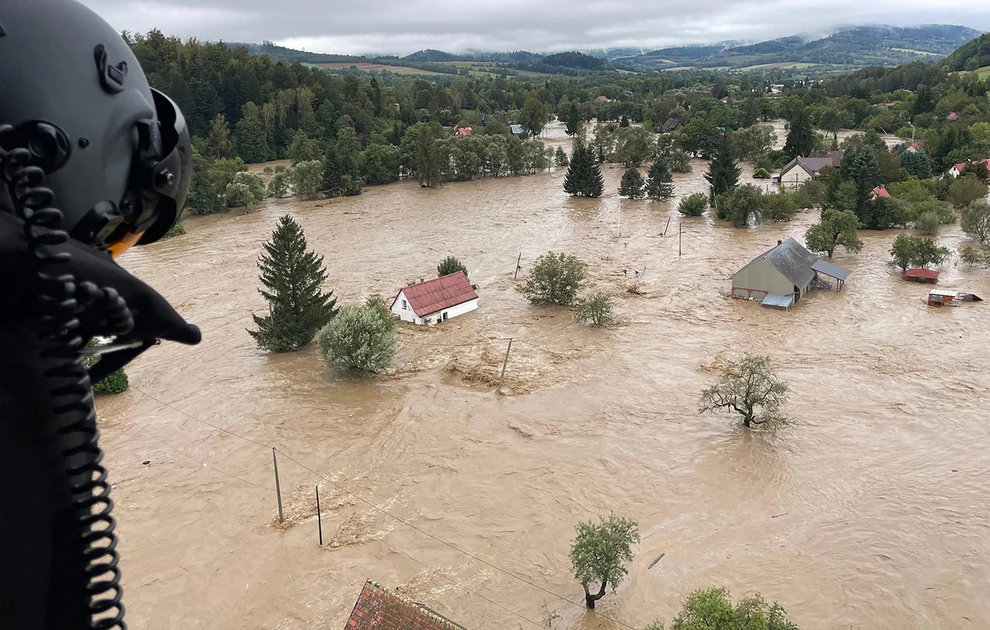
(759, 279)
(794, 177)
(453, 311)
(407, 314)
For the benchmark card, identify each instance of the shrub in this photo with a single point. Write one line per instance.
(279, 185)
(267, 170)
(280, 168)
(711, 609)
(450, 265)
(761, 173)
(693, 205)
(554, 279)
(177, 229)
(360, 339)
(965, 190)
(253, 182)
(974, 256)
(114, 383)
(238, 196)
(976, 221)
(598, 310)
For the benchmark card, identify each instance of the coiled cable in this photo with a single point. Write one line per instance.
(59, 300)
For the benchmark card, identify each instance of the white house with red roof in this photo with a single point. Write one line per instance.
(957, 169)
(435, 300)
(879, 191)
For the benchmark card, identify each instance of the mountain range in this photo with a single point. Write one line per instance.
(847, 48)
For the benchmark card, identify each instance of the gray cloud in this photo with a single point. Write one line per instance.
(404, 26)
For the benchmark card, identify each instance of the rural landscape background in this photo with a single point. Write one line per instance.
(867, 511)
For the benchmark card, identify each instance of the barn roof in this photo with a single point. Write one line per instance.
(378, 608)
(791, 259)
(439, 293)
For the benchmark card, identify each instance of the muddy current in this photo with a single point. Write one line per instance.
(870, 511)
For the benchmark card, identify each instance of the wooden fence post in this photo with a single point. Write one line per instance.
(505, 362)
(278, 488)
(319, 514)
(518, 260)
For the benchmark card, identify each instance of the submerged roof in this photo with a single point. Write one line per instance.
(439, 293)
(791, 259)
(778, 301)
(829, 269)
(378, 608)
(929, 274)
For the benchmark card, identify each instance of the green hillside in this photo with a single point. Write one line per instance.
(970, 56)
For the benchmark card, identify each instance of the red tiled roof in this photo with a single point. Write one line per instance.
(463, 131)
(380, 609)
(439, 293)
(921, 273)
(959, 167)
(953, 116)
(880, 191)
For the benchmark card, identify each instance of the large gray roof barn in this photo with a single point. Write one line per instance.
(781, 276)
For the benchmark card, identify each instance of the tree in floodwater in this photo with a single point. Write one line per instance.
(723, 174)
(751, 388)
(660, 183)
(599, 552)
(584, 176)
(292, 277)
(632, 184)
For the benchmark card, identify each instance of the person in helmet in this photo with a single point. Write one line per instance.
(92, 162)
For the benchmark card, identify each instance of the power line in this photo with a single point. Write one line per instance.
(389, 514)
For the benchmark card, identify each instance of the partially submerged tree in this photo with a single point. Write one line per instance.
(278, 187)
(711, 609)
(966, 189)
(292, 277)
(976, 221)
(559, 157)
(360, 339)
(584, 176)
(723, 174)
(659, 182)
(598, 309)
(914, 251)
(307, 178)
(751, 388)
(554, 279)
(599, 553)
(837, 227)
(450, 265)
(632, 184)
(693, 205)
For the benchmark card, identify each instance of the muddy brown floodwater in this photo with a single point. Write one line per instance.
(869, 512)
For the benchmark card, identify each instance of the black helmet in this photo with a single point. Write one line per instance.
(117, 153)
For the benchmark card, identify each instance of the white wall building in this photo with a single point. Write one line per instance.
(435, 300)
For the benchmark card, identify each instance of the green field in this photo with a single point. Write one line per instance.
(916, 52)
(788, 65)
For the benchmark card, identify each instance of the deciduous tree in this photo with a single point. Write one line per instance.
(306, 179)
(360, 339)
(599, 553)
(837, 227)
(751, 388)
(976, 221)
(598, 309)
(693, 205)
(554, 279)
(965, 190)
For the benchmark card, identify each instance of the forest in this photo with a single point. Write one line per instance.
(371, 130)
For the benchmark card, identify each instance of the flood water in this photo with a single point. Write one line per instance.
(870, 511)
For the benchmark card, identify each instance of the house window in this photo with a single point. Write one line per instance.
(405, 305)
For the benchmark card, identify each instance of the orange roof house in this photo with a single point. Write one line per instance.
(378, 608)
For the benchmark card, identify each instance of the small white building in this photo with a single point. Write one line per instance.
(801, 169)
(435, 300)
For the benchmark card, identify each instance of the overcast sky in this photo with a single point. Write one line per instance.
(404, 26)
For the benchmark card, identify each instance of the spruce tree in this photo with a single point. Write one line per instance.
(292, 277)
(584, 177)
(723, 174)
(800, 137)
(632, 184)
(660, 183)
(573, 119)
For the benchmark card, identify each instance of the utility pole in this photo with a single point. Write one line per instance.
(278, 488)
(680, 231)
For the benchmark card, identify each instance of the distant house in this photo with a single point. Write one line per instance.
(516, 130)
(435, 300)
(670, 125)
(780, 276)
(925, 276)
(801, 169)
(725, 99)
(463, 131)
(953, 116)
(378, 608)
(879, 191)
(605, 99)
(941, 297)
(957, 169)
(914, 147)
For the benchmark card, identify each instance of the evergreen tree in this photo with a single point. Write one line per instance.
(859, 166)
(800, 136)
(916, 164)
(292, 277)
(723, 174)
(250, 140)
(624, 121)
(659, 183)
(573, 119)
(584, 176)
(632, 184)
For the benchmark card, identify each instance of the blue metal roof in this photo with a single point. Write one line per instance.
(829, 269)
(778, 301)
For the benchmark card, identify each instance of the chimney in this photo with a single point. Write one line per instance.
(780, 242)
